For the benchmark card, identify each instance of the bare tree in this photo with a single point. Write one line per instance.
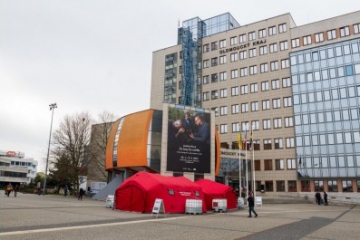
(99, 139)
(70, 140)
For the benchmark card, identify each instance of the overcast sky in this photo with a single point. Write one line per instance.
(96, 55)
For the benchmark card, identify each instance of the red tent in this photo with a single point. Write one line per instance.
(213, 190)
(138, 193)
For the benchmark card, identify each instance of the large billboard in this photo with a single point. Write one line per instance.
(188, 147)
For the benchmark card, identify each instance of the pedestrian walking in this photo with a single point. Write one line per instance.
(38, 188)
(325, 199)
(16, 189)
(81, 194)
(251, 204)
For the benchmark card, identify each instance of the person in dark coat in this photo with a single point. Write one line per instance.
(251, 205)
(81, 194)
(318, 198)
(325, 198)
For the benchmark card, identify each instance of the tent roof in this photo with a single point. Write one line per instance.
(209, 186)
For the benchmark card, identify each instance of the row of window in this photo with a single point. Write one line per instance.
(325, 74)
(267, 144)
(329, 116)
(243, 38)
(328, 139)
(320, 37)
(332, 162)
(332, 185)
(253, 106)
(279, 164)
(323, 54)
(326, 95)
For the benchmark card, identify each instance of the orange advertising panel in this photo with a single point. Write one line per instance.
(132, 146)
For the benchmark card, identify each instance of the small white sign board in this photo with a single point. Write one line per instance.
(258, 201)
(158, 207)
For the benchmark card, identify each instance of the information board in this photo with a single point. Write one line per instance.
(158, 207)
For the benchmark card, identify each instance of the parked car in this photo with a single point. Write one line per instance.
(110, 201)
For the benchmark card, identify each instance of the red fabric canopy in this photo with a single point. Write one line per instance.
(138, 193)
(213, 190)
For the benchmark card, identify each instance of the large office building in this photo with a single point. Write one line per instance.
(292, 92)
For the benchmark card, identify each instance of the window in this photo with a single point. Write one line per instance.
(244, 107)
(214, 94)
(267, 164)
(319, 185)
(278, 143)
(214, 62)
(284, 45)
(224, 145)
(244, 89)
(331, 34)
(287, 102)
(243, 55)
(206, 96)
(290, 143)
(347, 186)
(275, 84)
(252, 36)
(274, 66)
(243, 72)
(286, 82)
(272, 30)
(235, 109)
(257, 165)
(265, 104)
(206, 63)
(233, 57)
(276, 103)
(222, 43)
(264, 67)
(319, 37)
(279, 165)
(235, 127)
(289, 122)
(285, 63)
(357, 28)
(277, 123)
(263, 50)
(282, 28)
(292, 186)
(206, 48)
(332, 186)
(253, 88)
(262, 33)
(242, 38)
(255, 124)
(223, 110)
(307, 40)
(273, 47)
(206, 79)
(223, 76)
(267, 124)
(344, 31)
(245, 125)
(223, 59)
(214, 77)
(252, 52)
(234, 91)
(255, 106)
(295, 42)
(291, 163)
(223, 128)
(214, 46)
(216, 110)
(234, 73)
(253, 70)
(265, 86)
(223, 93)
(233, 41)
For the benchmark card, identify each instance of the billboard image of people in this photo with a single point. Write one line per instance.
(188, 147)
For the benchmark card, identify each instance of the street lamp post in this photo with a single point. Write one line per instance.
(52, 108)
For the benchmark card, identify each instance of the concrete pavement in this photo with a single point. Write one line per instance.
(54, 217)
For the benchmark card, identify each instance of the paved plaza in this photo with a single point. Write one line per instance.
(31, 217)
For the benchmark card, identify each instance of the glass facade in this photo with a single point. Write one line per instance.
(326, 101)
